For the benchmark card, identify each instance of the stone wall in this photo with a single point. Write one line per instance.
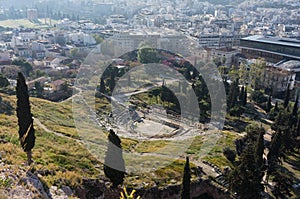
(173, 192)
(98, 189)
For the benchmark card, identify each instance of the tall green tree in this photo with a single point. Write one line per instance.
(245, 97)
(102, 86)
(275, 150)
(25, 66)
(25, 120)
(112, 81)
(186, 183)
(269, 104)
(39, 89)
(114, 156)
(257, 74)
(297, 129)
(243, 74)
(245, 179)
(283, 183)
(287, 97)
(241, 95)
(295, 108)
(146, 55)
(233, 94)
(258, 96)
(229, 154)
(3, 81)
(259, 148)
(233, 73)
(223, 70)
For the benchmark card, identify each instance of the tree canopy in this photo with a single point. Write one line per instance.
(25, 120)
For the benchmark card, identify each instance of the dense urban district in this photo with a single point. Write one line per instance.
(150, 99)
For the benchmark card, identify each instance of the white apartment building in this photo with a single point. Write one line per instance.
(129, 40)
(31, 35)
(82, 38)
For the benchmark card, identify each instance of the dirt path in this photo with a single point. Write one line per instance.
(42, 126)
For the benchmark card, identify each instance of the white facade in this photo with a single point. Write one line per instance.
(126, 41)
(28, 36)
(82, 38)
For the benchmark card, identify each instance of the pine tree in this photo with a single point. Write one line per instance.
(25, 120)
(186, 183)
(287, 97)
(114, 165)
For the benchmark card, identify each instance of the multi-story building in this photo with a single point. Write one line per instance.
(226, 56)
(127, 41)
(282, 74)
(81, 38)
(32, 14)
(273, 49)
(39, 48)
(219, 40)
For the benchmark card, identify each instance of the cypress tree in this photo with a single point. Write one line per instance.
(269, 104)
(114, 157)
(295, 109)
(186, 183)
(25, 120)
(233, 94)
(102, 86)
(297, 133)
(287, 97)
(245, 178)
(276, 109)
(241, 94)
(112, 82)
(275, 149)
(245, 97)
(283, 183)
(259, 150)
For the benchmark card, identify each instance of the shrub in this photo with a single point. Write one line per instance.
(258, 96)
(229, 154)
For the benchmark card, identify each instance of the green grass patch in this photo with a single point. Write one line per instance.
(216, 156)
(151, 146)
(5, 183)
(128, 144)
(218, 160)
(16, 23)
(196, 145)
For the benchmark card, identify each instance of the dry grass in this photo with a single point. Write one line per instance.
(69, 160)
